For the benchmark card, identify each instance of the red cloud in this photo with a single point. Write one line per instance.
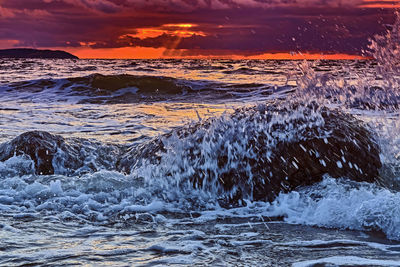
(6, 13)
(244, 26)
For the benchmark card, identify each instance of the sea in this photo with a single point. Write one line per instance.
(151, 216)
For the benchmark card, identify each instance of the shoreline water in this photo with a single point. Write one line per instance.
(108, 216)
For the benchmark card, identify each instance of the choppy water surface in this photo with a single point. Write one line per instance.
(99, 215)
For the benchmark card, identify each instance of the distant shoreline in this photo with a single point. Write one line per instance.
(35, 53)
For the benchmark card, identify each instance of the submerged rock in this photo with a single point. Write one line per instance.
(261, 151)
(53, 154)
(39, 146)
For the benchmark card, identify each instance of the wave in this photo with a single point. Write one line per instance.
(125, 88)
(98, 88)
(252, 71)
(84, 68)
(144, 84)
(254, 153)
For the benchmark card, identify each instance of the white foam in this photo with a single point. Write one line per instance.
(342, 204)
(106, 195)
(347, 260)
(388, 248)
(16, 166)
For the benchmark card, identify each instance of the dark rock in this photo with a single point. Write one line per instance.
(39, 146)
(261, 151)
(35, 53)
(54, 154)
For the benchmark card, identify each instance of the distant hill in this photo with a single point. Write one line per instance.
(35, 53)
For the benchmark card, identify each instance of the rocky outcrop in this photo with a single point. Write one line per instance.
(261, 151)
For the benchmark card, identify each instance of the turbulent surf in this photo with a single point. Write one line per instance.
(201, 161)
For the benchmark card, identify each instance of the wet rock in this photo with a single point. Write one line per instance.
(261, 151)
(53, 154)
(39, 146)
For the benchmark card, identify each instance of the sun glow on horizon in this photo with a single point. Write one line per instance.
(164, 53)
(187, 25)
(380, 4)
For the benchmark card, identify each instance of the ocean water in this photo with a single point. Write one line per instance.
(149, 212)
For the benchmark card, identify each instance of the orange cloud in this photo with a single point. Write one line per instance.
(381, 1)
(380, 4)
(179, 30)
(87, 43)
(8, 43)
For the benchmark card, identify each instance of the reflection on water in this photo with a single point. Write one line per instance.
(245, 71)
(118, 123)
(221, 242)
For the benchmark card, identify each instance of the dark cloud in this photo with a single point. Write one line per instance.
(243, 26)
(104, 6)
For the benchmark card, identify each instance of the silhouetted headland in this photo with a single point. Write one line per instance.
(35, 53)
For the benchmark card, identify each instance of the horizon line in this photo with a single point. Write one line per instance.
(157, 54)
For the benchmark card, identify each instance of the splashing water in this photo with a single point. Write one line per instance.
(376, 89)
(155, 214)
(385, 49)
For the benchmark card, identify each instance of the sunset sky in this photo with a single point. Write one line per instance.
(195, 28)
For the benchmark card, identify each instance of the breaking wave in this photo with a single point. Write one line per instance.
(125, 88)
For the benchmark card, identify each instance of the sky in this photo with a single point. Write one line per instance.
(196, 28)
